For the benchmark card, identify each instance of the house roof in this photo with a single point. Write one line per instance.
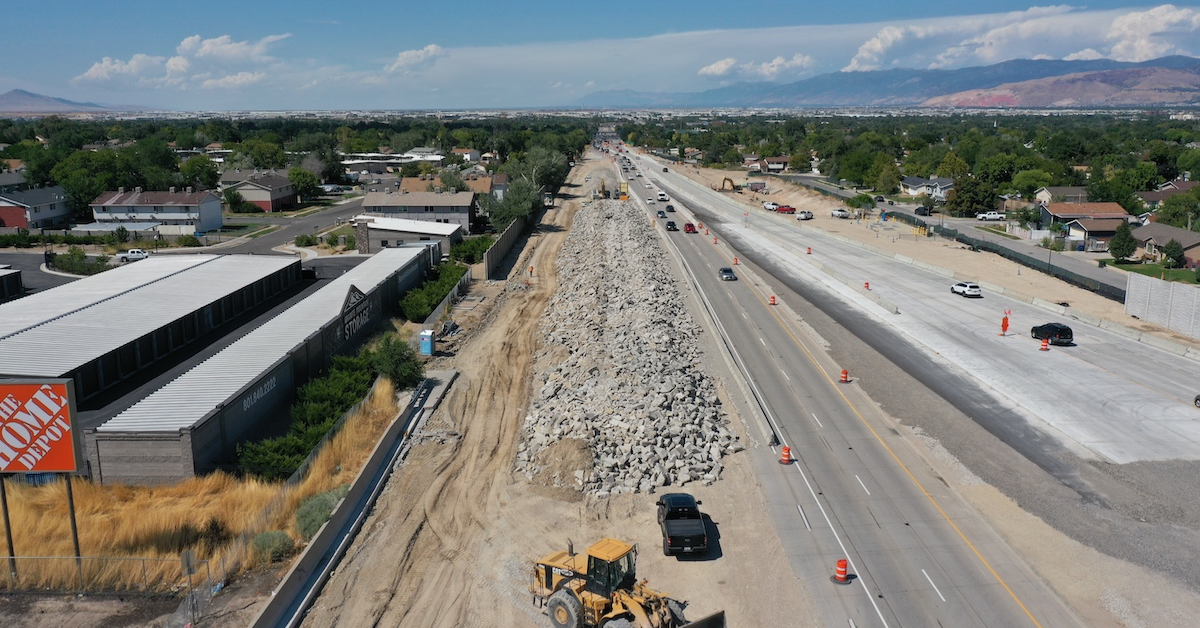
(478, 185)
(12, 178)
(1160, 234)
(464, 151)
(265, 180)
(409, 226)
(138, 197)
(1157, 196)
(36, 196)
(1086, 210)
(419, 199)
(1064, 190)
(1098, 225)
(1177, 184)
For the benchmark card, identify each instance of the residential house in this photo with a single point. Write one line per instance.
(469, 155)
(444, 207)
(39, 208)
(1061, 194)
(1154, 198)
(1013, 202)
(936, 187)
(12, 181)
(373, 233)
(172, 213)
(1153, 237)
(1094, 233)
(489, 158)
(270, 191)
(14, 165)
(1066, 212)
(478, 183)
(773, 164)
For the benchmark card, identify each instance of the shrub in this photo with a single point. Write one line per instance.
(306, 240)
(351, 243)
(315, 510)
(188, 240)
(419, 302)
(471, 250)
(76, 262)
(318, 406)
(397, 361)
(273, 546)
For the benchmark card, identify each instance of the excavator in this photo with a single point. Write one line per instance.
(728, 184)
(600, 589)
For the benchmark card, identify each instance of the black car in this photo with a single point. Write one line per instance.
(662, 214)
(670, 208)
(1057, 333)
(671, 226)
(924, 211)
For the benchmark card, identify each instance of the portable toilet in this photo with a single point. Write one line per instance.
(427, 342)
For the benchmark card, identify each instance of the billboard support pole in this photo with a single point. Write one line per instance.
(12, 560)
(74, 528)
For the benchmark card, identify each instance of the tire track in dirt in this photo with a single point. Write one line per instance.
(418, 563)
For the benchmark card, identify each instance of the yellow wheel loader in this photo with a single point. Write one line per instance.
(600, 589)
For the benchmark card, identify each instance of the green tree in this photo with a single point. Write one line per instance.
(306, 183)
(888, 179)
(200, 172)
(1122, 244)
(237, 203)
(969, 196)
(520, 201)
(452, 180)
(928, 203)
(1173, 254)
(1189, 161)
(1181, 210)
(953, 167)
(1027, 182)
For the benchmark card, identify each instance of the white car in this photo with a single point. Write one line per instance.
(648, 186)
(840, 213)
(770, 206)
(804, 215)
(649, 200)
(966, 289)
(990, 216)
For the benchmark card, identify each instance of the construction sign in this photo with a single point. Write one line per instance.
(37, 432)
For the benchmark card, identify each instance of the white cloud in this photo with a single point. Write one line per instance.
(1158, 32)
(718, 68)
(197, 62)
(772, 69)
(412, 60)
(241, 79)
(224, 49)
(109, 69)
(1087, 54)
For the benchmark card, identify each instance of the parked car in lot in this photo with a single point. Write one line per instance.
(840, 213)
(726, 274)
(689, 227)
(671, 226)
(1057, 333)
(966, 289)
(990, 216)
(682, 524)
(662, 214)
(804, 215)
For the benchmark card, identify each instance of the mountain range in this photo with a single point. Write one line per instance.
(1022, 83)
(21, 101)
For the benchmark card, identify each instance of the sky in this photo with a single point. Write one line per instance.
(403, 54)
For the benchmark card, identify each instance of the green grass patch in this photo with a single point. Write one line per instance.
(998, 231)
(1181, 275)
(264, 231)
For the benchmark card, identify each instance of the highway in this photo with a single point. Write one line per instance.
(919, 555)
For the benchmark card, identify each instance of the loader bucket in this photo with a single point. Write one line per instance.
(716, 620)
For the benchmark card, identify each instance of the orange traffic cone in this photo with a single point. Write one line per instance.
(786, 457)
(840, 575)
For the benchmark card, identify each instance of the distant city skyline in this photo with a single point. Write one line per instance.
(305, 55)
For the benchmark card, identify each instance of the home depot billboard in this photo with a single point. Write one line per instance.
(36, 427)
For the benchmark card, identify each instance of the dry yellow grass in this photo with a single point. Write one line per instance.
(137, 533)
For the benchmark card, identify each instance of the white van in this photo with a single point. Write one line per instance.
(662, 196)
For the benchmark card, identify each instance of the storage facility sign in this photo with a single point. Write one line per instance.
(36, 427)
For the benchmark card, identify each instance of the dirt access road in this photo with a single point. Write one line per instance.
(452, 541)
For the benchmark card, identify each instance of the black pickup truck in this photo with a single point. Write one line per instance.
(682, 525)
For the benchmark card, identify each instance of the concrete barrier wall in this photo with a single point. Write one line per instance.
(500, 248)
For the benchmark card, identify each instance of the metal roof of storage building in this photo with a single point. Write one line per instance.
(48, 305)
(186, 400)
(58, 346)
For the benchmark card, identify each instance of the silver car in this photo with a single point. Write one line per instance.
(726, 274)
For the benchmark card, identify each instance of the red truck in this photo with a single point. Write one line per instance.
(785, 209)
